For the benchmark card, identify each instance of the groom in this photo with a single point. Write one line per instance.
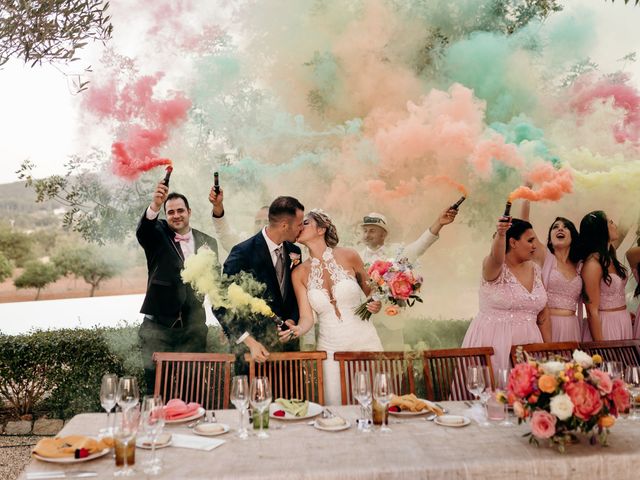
(269, 257)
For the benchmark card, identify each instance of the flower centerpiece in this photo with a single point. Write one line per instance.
(395, 284)
(560, 398)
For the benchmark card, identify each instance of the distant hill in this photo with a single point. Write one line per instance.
(18, 205)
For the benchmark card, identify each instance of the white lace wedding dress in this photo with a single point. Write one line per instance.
(340, 329)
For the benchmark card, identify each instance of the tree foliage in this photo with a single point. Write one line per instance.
(15, 245)
(91, 264)
(6, 268)
(37, 275)
(38, 31)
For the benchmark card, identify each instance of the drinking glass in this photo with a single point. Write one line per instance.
(127, 395)
(614, 369)
(124, 433)
(361, 390)
(260, 398)
(382, 392)
(475, 380)
(152, 422)
(503, 384)
(240, 399)
(108, 390)
(632, 380)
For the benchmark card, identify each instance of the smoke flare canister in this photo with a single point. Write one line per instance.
(216, 183)
(456, 205)
(507, 212)
(167, 176)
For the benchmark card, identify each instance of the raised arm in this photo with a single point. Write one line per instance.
(415, 249)
(492, 263)
(633, 257)
(541, 249)
(591, 277)
(146, 228)
(227, 236)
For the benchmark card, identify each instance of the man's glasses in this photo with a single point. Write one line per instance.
(373, 220)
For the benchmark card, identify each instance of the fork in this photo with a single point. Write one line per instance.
(326, 413)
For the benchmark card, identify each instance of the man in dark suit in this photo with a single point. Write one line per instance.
(174, 319)
(269, 257)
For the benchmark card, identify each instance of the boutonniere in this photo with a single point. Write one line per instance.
(295, 259)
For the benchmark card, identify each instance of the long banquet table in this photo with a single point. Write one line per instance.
(415, 449)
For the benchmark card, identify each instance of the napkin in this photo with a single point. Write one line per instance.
(331, 422)
(176, 409)
(451, 420)
(61, 447)
(297, 408)
(411, 403)
(196, 443)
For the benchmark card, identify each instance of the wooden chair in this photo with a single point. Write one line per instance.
(194, 377)
(625, 351)
(296, 375)
(445, 371)
(398, 364)
(543, 351)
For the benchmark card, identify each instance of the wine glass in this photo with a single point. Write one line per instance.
(475, 380)
(108, 390)
(127, 395)
(503, 384)
(240, 399)
(632, 380)
(613, 368)
(124, 433)
(382, 392)
(152, 422)
(361, 390)
(260, 398)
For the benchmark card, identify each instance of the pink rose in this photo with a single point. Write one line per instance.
(620, 396)
(379, 266)
(375, 276)
(401, 285)
(602, 380)
(543, 424)
(522, 379)
(585, 398)
(519, 410)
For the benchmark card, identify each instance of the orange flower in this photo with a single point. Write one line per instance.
(547, 383)
(606, 421)
(392, 310)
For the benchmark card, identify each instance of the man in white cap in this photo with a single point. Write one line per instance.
(375, 229)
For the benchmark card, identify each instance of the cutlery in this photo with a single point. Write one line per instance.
(468, 404)
(72, 474)
(193, 424)
(210, 417)
(326, 413)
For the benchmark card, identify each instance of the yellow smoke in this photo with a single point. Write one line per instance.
(238, 298)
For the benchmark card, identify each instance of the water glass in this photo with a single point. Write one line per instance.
(152, 423)
(240, 399)
(382, 393)
(361, 390)
(124, 436)
(475, 380)
(632, 380)
(108, 390)
(614, 369)
(260, 398)
(128, 394)
(502, 382)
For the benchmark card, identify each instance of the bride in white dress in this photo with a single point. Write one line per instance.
(331, 283)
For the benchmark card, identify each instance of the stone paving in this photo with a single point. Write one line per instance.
(15, 453)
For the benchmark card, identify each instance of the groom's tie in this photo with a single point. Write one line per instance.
(280, 268)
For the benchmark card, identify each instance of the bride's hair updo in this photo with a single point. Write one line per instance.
(323, 221)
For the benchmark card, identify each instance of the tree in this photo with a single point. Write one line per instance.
(38, 31)
(15, 245)
(89, 263)
(6, 268)
(37, 275)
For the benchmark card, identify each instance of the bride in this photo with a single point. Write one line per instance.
(332, 283)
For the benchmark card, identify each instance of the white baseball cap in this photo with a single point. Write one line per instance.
(376, 219)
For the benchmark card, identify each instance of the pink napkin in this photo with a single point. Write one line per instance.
(176, 409)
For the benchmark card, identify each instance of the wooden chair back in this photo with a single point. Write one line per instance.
(445, 371)
(398, 364)
(625, 351)
(544, 351)
(293, 375)
(194, 377)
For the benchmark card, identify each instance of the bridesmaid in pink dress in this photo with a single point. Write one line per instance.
(511, 293)
(633, 256)
(604, 280)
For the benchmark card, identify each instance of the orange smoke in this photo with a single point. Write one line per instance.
(446, 180)
(406, 188)
(554, 184)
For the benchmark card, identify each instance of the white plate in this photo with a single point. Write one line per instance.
(337, 428)
(164, 440)
(405, 413)
(93, 456)
(201, 429)
(459, 419)
(195, 416)
(313, 411)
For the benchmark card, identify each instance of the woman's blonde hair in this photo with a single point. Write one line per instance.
(324, 221)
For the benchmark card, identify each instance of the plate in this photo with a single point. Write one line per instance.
(202, 429)
(164, 440)
(313, 411)
(404, 413)
(195, 416)
(452, 421)
(93, 456)
(337, 428)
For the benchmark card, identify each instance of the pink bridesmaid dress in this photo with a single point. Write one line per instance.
(615, 325)
(636, 325)
(508, 316)
(562, 293)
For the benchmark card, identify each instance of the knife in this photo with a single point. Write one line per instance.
(70, 474)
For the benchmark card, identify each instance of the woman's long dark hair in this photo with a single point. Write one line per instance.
(637, 291)
(594, 238)
(574, 249)
(517, 228)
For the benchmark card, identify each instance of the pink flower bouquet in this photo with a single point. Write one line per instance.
(560, 398)
(393, 283)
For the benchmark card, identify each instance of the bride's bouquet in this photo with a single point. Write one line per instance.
(394, 283)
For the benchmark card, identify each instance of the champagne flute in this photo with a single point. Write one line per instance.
(613, 368)
(260, 397)
(382, 392)
(361, 390)
(475, 380)
(124, 433)
(240, 399)
(108, 390)
(152, 422)
(632, 380)
(503, 384)
(127, 395)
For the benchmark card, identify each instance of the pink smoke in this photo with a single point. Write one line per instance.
(554, 184)
(494, 148)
